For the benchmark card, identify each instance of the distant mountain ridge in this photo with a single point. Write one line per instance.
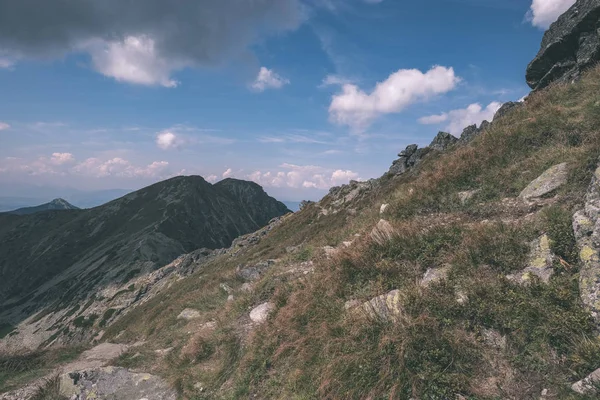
(56, 204)
(54, 257)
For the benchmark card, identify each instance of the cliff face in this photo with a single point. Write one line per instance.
(569, 47)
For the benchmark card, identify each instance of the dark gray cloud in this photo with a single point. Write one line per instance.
(162, 35)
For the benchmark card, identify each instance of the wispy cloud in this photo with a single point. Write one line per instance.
(268, 79)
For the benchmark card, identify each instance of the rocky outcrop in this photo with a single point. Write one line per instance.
(114, 383)
(506, 108)
(408, 158)
(412, 155)
(340, 197)
(571, 45)
(552, 179)
(587, 233)
(442, 141)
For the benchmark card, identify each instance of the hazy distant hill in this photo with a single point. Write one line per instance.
(56, 204)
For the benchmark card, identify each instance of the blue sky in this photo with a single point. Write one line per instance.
(297, 95)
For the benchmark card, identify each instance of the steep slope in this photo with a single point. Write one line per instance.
(467, 287)
(54, 205)
(56, 259)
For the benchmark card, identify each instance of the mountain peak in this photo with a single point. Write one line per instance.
(54, 205)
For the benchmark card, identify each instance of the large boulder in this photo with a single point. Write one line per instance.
(259, 314)
(552, 179)
(384, 308)
(571, 45)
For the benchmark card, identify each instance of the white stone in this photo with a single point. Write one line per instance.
(189, 314)
(588, 384)
(260, 313)
(383, 208)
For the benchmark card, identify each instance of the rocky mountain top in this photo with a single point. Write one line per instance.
(56, 204)
(57, 261)
(569, 47)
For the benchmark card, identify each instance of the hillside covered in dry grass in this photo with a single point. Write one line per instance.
(463, 318)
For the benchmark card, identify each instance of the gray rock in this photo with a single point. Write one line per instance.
(253, 273)
(114, 383)
(469, 133)
(467, 195)
(493, 338)
(433, 275)
(385, 308)
(409, 158)
(442, 141)
(589, 384)
(383, 232)
(189, 314)
(570, 46)
(409, 151)
(540, 262)
(506, 108)
(383, 208)
(552, 179)
(586, 226)
(259, 314)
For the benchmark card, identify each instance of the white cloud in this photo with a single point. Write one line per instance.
(6, 63)
(302, 176)
(144, 42)
(227, 173)
(134, 60)
(544, 12)
(168, 140)
(461, 118)
(357, 109)
(212, 178)
(268, 79)
(4, 126)
(433, 119)
(62, 158)
(293, 138)
(119, 167)
(334, 80)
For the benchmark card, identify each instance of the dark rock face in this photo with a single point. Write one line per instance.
(442, 141)
(409, 157)
(506, 108)
(571, 45)
(59, 256)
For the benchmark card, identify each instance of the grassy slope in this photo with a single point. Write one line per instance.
(310, 348)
